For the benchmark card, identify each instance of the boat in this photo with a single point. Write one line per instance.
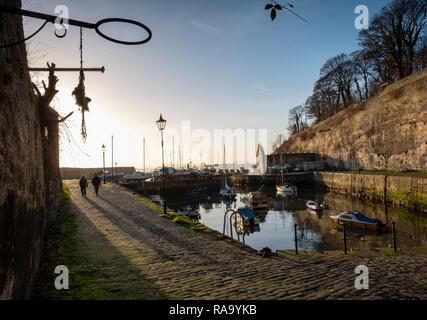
(313, 205)
(256, 201)
(285, 188)
(157, 199)
(359, 220)
(197, 191)
(226, 191)
(246, 217)
(189, 212)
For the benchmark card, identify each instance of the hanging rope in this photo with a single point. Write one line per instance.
(79, 92)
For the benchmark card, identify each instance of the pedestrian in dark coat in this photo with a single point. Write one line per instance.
(96, 183)
(83, 186)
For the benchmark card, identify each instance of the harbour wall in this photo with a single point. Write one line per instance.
(404, 190)
(180, 186)
(298, 178)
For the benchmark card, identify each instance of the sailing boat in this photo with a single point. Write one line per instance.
(138, 176)
(226, 192)
(285, 188)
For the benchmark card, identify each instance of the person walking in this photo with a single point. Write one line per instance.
(83, 185)
(96, 183)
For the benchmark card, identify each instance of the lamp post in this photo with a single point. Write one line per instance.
(103, 158)
(161, 124)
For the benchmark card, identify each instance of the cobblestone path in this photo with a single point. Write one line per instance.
(144, 256)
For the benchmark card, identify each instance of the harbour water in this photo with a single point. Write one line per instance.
(315, 232)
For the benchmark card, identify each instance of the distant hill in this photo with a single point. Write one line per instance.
(76, 173)
(386, 132)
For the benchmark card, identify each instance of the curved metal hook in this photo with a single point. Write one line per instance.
(65, 31)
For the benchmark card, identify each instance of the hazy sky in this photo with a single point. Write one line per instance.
(217, 63)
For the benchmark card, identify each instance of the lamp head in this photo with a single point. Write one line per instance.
(161, 123)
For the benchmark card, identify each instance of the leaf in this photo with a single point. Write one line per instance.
(278, 7)
(273, 14)
(268, 6)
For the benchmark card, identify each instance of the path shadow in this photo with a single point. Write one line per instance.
(147, 225)
(94, 269)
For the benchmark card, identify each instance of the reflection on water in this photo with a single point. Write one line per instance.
(316, 232)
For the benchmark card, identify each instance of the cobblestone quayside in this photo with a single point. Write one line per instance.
(129, 251)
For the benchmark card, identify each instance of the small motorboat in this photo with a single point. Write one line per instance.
(246, 217)
(360, 221)
(286, 189)
(227, 192)
(189, 212)
(313, 205)
(256, 201)
(157, 199)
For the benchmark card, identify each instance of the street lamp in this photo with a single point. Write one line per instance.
(161, 124)
(103, 158)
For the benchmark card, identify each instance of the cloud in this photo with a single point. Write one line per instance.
(205, 27)
(261, 87)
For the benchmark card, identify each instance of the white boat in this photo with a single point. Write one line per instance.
(189, 212)
(137, 177)
(226, 191)
(359, 220)
(157, 199)
(285, 188)
(313, 205)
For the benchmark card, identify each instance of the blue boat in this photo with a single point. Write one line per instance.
(247, 217)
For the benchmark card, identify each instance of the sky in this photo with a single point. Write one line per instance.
(210, 65)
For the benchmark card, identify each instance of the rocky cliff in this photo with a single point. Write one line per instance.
(30, 185)
(388, 131)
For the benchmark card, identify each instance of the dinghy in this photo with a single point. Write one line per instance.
(189, 212)
(246, 217)
(359, 220)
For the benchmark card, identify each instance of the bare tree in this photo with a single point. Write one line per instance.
(393, 35)
(297, 121)
(339, 70)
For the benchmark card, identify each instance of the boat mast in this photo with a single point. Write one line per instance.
(143, 152)
(173, 151)
(179, 157)
(281, 166)
(225, 167)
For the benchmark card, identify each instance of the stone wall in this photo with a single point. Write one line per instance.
(405, 189)
(387, 132)
(291, 158)
(30, 185)
(77, 173)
